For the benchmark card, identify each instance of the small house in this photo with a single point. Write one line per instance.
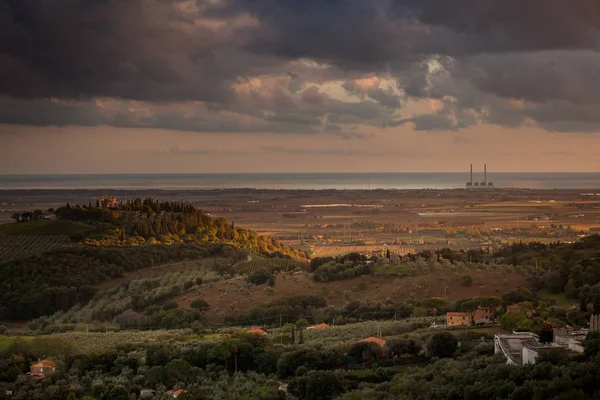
(256, 331)
(513, 308)
(43, 368)
(483, 315)
(458, 318)
(178, 393)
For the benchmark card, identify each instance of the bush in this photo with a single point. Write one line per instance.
(466, 280)
(442, 345)
(336, 271)
(260, 277)
(199, 304)
(171, 305)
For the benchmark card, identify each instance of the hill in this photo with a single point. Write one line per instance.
(235, 296)
(42, 272)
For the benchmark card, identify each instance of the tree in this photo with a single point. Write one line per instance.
(199, 304)
(365, 352)
(592, 344)
(117, 392)
(466, 280)
(442, 345)
(260, 277)
(400, 347)
(316, 385)
(555, 282)
(16, 217)
(301, 325)
(435, 302)
(177, 370)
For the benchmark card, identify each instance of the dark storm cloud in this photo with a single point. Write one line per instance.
(136, 49)
(506, 62)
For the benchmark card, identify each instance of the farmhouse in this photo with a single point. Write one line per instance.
(458, 318)
(373, 339)
(513, 308)
(43, 368)
(483, 315)
(256, 331)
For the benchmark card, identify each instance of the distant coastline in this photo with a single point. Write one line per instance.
(317, 181)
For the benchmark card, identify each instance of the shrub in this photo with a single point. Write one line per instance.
(442, 345)
(171, 305)
(466, 280)
(260, 277)
(199, 304)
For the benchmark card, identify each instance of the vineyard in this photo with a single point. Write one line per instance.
(276, 264)
(24, 246)
(333, 250)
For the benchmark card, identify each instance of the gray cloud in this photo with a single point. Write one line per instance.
(342, 152)
(505, 62)
(177, 151)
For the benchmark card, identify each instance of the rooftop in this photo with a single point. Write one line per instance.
(373, 339)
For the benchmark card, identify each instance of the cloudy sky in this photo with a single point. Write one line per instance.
(103, 86)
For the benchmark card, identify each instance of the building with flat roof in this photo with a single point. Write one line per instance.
(521, 348)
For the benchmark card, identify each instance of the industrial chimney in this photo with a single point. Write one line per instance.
(485, 174)
(470, 183)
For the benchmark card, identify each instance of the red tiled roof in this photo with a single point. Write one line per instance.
(257, 331)
(319, 326)
(373, 339)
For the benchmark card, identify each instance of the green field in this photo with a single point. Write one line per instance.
(62, 227)
(559, 298)
(6, 341)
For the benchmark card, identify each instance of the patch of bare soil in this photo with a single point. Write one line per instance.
(232, 296)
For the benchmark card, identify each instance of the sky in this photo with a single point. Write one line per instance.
(114, 86)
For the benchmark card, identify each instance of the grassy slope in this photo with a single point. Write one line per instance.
(61, 227)
(559, 298)
(6, 341)
(233, 296)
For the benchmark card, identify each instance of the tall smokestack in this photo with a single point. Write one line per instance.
(485, 173)
(471, 174)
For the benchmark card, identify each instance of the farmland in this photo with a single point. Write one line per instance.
(7, 341)
(69, 228)
(274, 264)
(16, 247)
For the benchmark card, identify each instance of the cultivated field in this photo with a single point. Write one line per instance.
(247, 267)
(22, 246)
(60, 227)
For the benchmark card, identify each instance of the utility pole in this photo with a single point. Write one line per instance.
(280, 329)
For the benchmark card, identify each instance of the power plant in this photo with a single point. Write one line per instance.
(476, 185)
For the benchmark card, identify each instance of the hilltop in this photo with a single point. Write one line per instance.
(49, 266)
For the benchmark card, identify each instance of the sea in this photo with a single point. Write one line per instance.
(381, 180)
